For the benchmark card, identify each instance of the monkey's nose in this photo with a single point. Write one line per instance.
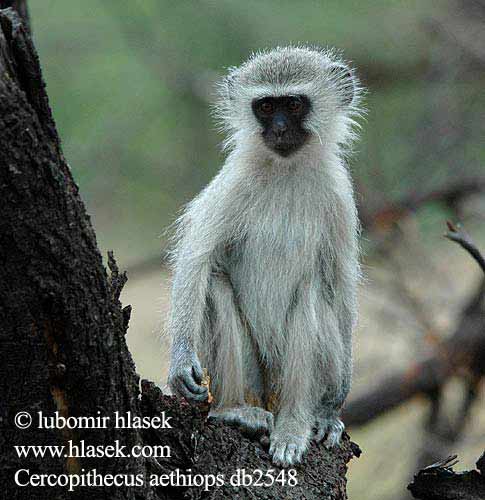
(280, 126)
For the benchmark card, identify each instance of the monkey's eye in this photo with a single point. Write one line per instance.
(266, 107)
(295, 105)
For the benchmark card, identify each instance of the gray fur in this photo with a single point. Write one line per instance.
(266, 260)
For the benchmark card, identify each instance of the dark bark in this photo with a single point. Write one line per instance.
(20, 6)
(62, 327)
(213, 448)
(440, 482)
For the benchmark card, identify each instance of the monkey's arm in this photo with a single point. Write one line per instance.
(201, 232)
(189, 289)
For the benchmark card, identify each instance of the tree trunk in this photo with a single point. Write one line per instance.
(62, 333)
(61, 324)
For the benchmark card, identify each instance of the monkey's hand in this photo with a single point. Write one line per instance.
(185, 377)
(331, 426)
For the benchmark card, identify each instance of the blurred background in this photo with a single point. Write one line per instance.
(131, 83)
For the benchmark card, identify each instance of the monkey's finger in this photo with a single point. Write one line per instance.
(178, 385)
(253, 430)
(291, 454)
(198, 398)
(277, 451)
(334, 433)
(226, 418)
(270, 422)
(194, 396)
(197, 372)
(192, 386)
(333, 439)
(256, 429)
(319, 434)
(182, 390)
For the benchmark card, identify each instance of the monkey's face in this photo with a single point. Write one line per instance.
(289, 102)
(282, 120)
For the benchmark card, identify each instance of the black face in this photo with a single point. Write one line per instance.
(282, 119)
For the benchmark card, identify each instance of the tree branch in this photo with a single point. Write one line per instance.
(440, 482)
(458, 235)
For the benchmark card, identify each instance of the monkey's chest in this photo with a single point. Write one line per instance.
(268, 267)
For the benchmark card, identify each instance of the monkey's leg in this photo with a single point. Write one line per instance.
(337, 385)
(233, 364)
(328, 422)
(298, 372)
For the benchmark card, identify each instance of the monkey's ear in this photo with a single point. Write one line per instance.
(229, 85)
(345, 80)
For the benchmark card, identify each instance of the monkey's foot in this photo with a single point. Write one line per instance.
(287, 449)
(251, 420)
(330, 426)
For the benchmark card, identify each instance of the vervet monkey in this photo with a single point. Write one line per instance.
(266, 258)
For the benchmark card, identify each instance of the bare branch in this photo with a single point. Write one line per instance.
(457, 234)
(440, 482)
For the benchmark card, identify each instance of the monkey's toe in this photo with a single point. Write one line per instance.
(332, 428)
(252, 421)
(287, 449)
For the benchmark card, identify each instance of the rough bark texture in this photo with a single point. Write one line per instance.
(213, 448)
(440, 482)
(20, 6)
(62, 327)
